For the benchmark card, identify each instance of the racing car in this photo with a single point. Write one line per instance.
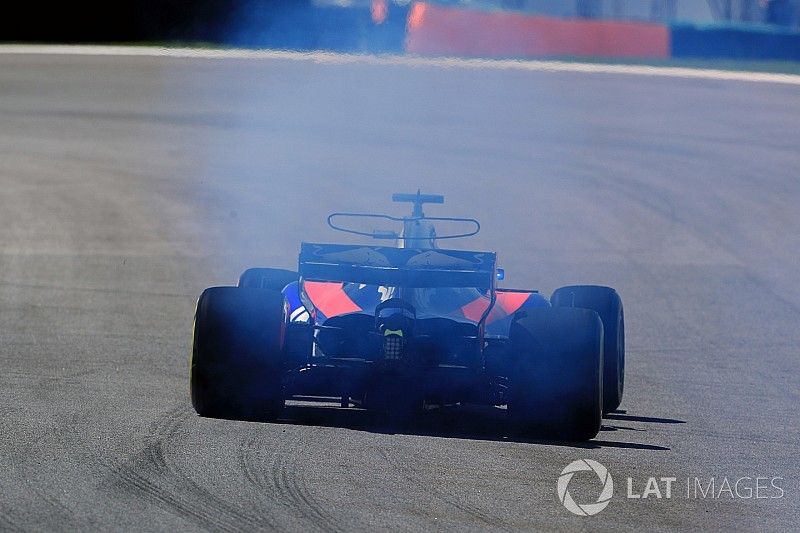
(405, 326)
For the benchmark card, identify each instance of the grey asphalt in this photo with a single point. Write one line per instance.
(127, 185)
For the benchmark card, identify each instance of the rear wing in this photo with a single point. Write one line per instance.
(397, 267)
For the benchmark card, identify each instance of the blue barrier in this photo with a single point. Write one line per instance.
(735, 42)
(301, 25)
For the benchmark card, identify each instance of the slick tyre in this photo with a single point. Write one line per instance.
(274, 279)
(605, 302)
(237, 354)
(556, 388)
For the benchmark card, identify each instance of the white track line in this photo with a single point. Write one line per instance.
(413, 61)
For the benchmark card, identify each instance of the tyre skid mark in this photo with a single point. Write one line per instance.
(149, 474)
(285, 480)
(406, 470)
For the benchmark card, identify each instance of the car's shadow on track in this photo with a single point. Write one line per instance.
(457, 422)
(623, 416)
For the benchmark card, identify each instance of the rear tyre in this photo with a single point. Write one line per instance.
(556, 388)
(237, 354)
(605, 302)
(267, 278)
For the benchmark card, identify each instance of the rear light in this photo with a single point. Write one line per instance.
(393, 345)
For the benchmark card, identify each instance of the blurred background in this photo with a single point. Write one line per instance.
(134, 178)
(750, 29)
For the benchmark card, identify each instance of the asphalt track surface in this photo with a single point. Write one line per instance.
(130, 184)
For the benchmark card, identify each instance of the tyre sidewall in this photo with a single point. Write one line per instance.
(606, 302)
(237, 353)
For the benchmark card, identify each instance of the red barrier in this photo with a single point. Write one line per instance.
(437, 30)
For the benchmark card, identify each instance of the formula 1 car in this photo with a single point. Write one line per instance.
(395, 328)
